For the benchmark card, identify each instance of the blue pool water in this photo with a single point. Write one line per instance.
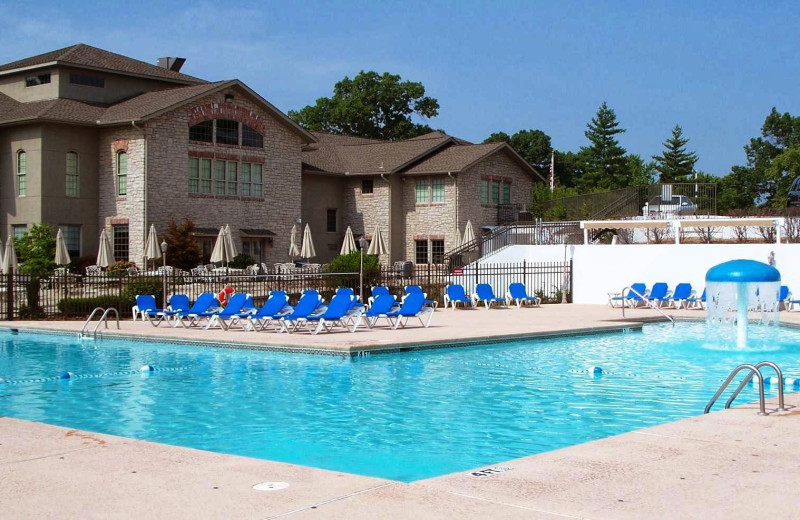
(402, 416)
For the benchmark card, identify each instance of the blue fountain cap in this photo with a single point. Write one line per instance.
(743, 271)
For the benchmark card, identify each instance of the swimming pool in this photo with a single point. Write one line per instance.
(403, 416)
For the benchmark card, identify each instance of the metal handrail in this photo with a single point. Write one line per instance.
(628, 290)
(753, 369)
(89, 319)
(781, 407)
(104, 319)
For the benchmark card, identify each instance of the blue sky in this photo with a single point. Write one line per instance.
(714, 68)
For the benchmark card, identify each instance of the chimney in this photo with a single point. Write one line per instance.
(173, 64)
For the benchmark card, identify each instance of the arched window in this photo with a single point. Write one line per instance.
(72, 174)
(22, 170)
(251, 137)
(203, 132)
(227, 131)
(122, 173)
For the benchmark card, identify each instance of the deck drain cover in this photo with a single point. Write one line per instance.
(271, 486)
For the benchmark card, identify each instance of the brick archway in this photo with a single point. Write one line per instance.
(202, 113)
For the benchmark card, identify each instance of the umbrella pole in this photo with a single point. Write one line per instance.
(361, 275)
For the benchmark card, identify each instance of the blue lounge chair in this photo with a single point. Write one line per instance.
(146, 306)
(179, 302)
(659, 294)
(233, 309)
(376, 291)
(681, 295)
(455, 294)
(519, 296)
(413, 307)
(308, 304)
(484, 293)
(693, 302)
(630, 298)
(784, 297)
(335, 314)
(277, 305)
(380, 308)
(203, 307)
(356, 307)
(410, 289)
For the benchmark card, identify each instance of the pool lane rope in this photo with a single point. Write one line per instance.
(66, 375)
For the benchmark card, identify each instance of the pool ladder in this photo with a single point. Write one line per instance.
(103, 320)
(628, 290)
(754, 369)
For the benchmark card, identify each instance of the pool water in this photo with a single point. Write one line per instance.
(403, 416)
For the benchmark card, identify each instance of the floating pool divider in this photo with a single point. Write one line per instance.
(742, 285)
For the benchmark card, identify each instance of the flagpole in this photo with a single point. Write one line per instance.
(552, 171)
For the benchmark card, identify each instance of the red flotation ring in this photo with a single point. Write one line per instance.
(225, 295)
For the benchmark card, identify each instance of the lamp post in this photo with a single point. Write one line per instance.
(362, 243)
(164, 273)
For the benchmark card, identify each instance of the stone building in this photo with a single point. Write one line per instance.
(93, 140)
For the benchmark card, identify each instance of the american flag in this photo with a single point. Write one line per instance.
(552, 171)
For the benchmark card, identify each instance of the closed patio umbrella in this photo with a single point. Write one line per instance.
(230, 247)
(458, 239)
(349, 244)
(294, 252)
(469, 235)
(10, 258)
(152, 250)
(105, 251)
(377, 245)
(219, 253)
(1, 254)
(307, 250)
(62, 255)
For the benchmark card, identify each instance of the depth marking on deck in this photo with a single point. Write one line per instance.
(488, 472)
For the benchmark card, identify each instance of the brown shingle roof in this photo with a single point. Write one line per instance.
(64, 110)
(371, 157)
(454, 158)
(152, 102)
(82, 55)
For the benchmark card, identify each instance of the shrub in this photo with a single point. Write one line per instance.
(119, 269)
(183, 251)
(83, 306)
(350, 263)
(241, 261)
(143, 285)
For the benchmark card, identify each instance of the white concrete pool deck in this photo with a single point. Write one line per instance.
(728, 464)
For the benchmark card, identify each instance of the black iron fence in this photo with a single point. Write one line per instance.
(73, 296)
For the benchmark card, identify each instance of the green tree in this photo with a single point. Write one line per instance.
(640, 173)
(371, 105)
(606, 165)
(183, 251)
(675, 164)
(36, 250)
(569, 167)
(533, 145)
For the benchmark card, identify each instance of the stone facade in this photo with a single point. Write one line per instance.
(430, 221)
(363, 211)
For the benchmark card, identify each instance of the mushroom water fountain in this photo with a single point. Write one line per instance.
(735, 288)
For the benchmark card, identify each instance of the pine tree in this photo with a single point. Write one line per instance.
(675, 164)
(607, 167)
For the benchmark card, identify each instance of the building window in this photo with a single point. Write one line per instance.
(219, 178)
(72, 174)
(437, 251)
(121, 242)
(227, 131)
(232, 178)
(366, 186)
(484, 192)
(251, 180)
(422, 191)
(437, 190)
(420, 251)
(200, 176)
(251, 137)
(253, 247)
(39, 79)
(17, 230)
(203, 132)
(72, 239)
(495, 193)
(506, 193)
(330, 221)
(194, 175)
(87, 80)
(122, 173)
(22, 171)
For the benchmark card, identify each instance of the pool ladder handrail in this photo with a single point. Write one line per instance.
(103, 320)
(628, 290)
(754, 369)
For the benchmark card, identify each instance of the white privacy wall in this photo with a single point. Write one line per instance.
(600, 269)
